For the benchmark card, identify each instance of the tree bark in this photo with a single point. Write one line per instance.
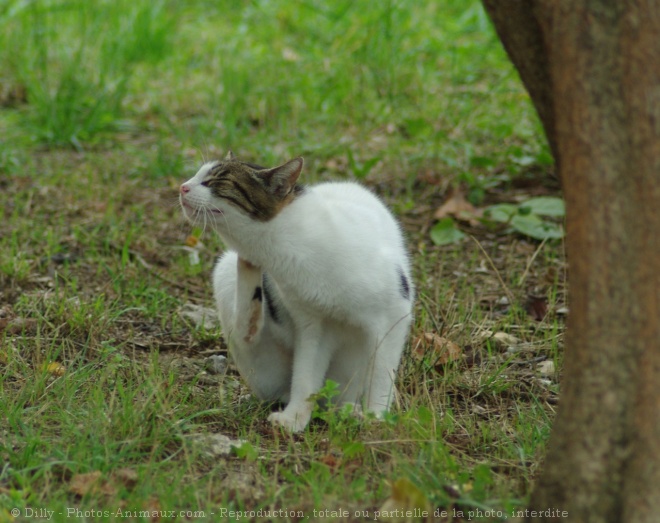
(517, 26)
(602, 64)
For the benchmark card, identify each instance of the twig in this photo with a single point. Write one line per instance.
(508, 293)
(529, 264)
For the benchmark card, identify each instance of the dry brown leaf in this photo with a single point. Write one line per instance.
(82, 484)
(126, 476)
(18, 325)
(458, 207)
(537, 307)
(437, 349)
(154, 508)
(91, 483)
(191, 241)
(331, 461)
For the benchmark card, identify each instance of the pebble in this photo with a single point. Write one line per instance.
(215, 364)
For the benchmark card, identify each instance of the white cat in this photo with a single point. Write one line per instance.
(317, 285)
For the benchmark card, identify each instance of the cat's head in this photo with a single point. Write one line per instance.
(228, 190)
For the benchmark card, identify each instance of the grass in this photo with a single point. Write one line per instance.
(106, 107)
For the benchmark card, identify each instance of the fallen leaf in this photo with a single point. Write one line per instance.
(126, 476)
(537, 307)
(91, 483)
(18, 325)
(191, 241)
(331, 461)
(55, 368)
(405, 504)
(458, 207)
(153, 507)
(436, 349)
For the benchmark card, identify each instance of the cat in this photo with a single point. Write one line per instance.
(316, 285)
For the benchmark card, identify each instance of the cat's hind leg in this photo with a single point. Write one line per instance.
(349, 364)
(379, 384)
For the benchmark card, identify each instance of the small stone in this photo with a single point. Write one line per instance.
(546, 368)
(503, 339)
(201, 316)
(215, 364)
(214, 445)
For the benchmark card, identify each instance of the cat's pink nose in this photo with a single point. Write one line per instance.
(185, 189)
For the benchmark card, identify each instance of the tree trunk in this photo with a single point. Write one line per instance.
(601, 61)
(517, 26)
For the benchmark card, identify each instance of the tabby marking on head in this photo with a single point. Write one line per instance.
(261, 193)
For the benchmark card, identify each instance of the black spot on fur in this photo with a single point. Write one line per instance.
(404, 286)
(257, 294)
(270, 303)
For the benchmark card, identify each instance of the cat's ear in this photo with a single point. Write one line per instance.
(281, 180)
(230, 156)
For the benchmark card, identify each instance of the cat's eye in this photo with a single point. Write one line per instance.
(205, 183)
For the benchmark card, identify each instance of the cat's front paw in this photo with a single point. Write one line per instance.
(293, 421)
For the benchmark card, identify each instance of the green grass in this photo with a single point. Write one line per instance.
(106, 107)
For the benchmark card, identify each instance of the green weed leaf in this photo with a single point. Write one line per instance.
(503, 212)
(545, 206)
(353, 449)
(246, 451)
(532, 225)
(445, 232)
(526, 218)
(361, 169)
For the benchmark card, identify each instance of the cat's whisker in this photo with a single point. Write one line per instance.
(206, 220)
(173, 202)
